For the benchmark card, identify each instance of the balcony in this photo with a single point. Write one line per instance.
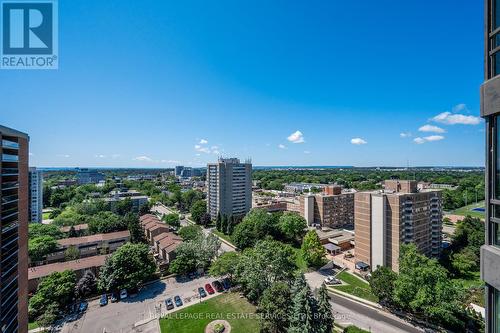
(10, 158)
(10, 144)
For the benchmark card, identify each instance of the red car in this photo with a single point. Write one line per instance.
(209, 289)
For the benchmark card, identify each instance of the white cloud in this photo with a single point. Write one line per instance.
(429, 138)
(202, 149)
(449, 118)
(171, 161)
(431, 128)
(460, 107)
(63, 155)
(31, 154)
(281, 146)
(143, 159)
(307, 152)
(296, 137)
(405, 134)
(203, 142)
(100, 156)
(358, 141)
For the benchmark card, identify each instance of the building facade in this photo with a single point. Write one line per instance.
(87, 176)
(14, 231)
(490, 111)
(400, 214)
(35, 195)
(229, 187)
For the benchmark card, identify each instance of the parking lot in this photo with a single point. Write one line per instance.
(148, 304)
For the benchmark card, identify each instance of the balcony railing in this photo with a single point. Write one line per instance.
(10, 144)
(10, 158)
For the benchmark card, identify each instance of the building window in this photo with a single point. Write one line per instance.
(496, 235)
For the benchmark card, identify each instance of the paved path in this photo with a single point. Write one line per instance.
(149, 304)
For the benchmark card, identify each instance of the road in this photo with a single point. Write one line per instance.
(122, 316)
(347, 311)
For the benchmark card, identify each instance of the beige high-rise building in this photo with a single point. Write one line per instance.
(399, 214)
(333, 208)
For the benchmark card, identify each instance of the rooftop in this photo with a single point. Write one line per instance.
(93, 238)
(74, 265)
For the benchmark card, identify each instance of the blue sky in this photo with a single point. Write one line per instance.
(159, 83)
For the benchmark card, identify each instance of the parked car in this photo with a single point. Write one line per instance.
(83, 306)
(209, 289)
(226, 284)
(178, 301)
(114, 297)
(104, 300)
(169, 303)
(218, 286)
(332, 280)
(123, 294)
(202, 292)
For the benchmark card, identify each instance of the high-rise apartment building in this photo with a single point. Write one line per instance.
(14, 231)
(333, 208)
(178, 170)
(490, 110)
(229, 187)
(35, 195)
(399, 214)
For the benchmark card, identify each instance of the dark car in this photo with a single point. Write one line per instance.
(218, 286)
(209, 289)
(178, 301)
(83, 306)
(226, 284)
(202, 292)
(104, 300)
(114, 297)
(169, 303)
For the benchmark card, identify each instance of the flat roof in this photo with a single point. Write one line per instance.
(77, 227)
(12, 132)
(73, 265)
(331, 247)
(93, 238)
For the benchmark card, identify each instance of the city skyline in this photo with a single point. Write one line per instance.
(165, 84)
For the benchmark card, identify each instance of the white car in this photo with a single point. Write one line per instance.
(123, 294)
(332, 280)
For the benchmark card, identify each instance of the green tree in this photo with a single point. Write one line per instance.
(39, 229)
(134, 227)
(465, 261)
(292, 226)
(218, 222)
(256, 225)
(382, 283)
(196, 254)
(312, 250)
(105, 222)
(274, 306)
(123, 207)
(324, 319)
(225, 264)
(302, 309)
(49, 315)
(57, 288)
(223, 224)
(198, 209)
(267, 262)
(423, 287)
(172, 220)
(129, 267)
(40, 246)
(145, 209)
(190, 232)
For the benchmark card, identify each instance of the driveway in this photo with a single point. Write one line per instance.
(148, 304)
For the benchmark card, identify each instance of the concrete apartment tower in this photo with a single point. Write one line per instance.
(229, 187)
(490, 111)
(333, 208)
(399, 214)
(35, 195)
(14, 231)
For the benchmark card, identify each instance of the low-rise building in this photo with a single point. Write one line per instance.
(137, 199)
(79, 266)
(88, 176)
(90, 245)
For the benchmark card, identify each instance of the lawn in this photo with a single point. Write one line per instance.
(355, 286)
(354, 329)
(46, 216)
(225, 237)
(467, 210)
(299, 261)
(32, 325)
(237, 311)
